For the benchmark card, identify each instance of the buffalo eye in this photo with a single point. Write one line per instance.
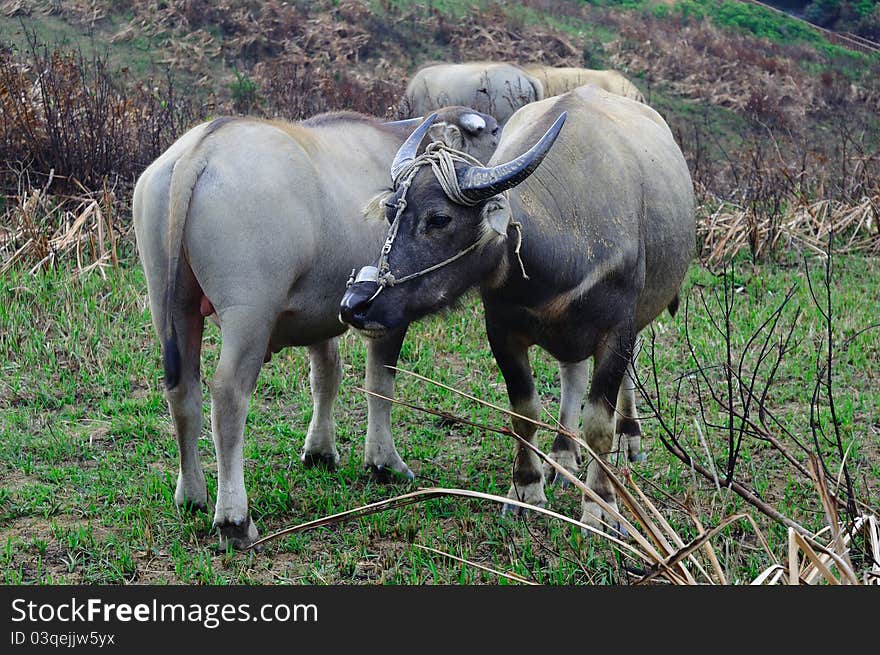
(495, 131)
(437, 221)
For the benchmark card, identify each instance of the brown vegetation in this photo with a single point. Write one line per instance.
(67, 115)
(751, 76)
(72, 118)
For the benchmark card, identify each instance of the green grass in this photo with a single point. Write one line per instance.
(88, 457)
(751, 19)
(138, 54)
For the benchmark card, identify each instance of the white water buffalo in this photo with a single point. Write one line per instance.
(575, 255)
(495, 88)
(557, 81)
(257, 224)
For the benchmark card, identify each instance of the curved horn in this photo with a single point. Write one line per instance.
(406, 122)
(478, 183)
(407, 151)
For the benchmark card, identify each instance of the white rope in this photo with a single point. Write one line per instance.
(518, 226)
(441, 158)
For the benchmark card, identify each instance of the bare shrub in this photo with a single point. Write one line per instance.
(295, 91)
(720, 404)
(74, 136)
(66, 112)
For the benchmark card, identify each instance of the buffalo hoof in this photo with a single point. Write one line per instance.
(616, 529)
(631, 444)
(190, 494)
(319, 460)
(607, 524)
(532, 493)
(567, 459)
(560, 480)
(237, 534)
(386, 474)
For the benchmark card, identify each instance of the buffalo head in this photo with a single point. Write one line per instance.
(449, 221)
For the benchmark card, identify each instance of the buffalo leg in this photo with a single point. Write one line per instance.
(512, 356)
(185, 404)
(380, 454)
(627, 422)
(325, 374)
(574, 377)
(245, 337)
(611, 357)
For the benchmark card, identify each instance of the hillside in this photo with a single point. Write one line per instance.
(763, 106)
(860, 17)
(225, 48)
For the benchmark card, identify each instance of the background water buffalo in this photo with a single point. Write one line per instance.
(559, 80)
(495, 88)
(500, 88)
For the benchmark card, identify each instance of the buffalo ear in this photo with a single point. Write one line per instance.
(448, 134)
(376, 207)
(496, 214)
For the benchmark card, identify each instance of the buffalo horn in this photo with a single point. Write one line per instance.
(479, 183)
(410, 147)
(406, 122)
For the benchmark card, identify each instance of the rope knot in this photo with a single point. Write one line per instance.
(442, 159)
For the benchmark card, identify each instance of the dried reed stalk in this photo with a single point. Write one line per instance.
(730, 230)
(667, 559)
(476, 565)
(43, 231)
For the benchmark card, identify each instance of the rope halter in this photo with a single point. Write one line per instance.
(441, 158)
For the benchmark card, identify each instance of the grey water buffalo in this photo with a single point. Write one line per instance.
(574, 247)
(257, 224)
(556, 81)
(495, 88)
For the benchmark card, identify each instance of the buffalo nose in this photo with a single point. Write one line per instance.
(356, 302)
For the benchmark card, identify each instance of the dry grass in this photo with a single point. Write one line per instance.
(740, 72)
(69, 113)
(730, 230)
(811, 561)
(38, 230)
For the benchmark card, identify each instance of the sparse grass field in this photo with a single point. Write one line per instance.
(88, 457)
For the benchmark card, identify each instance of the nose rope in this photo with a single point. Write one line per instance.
(441, 158)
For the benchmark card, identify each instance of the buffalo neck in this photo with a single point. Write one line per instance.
(548, 256)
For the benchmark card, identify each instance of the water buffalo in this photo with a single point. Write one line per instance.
(557, 81)
(575, 256)
(257, 224)
(495, 88)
